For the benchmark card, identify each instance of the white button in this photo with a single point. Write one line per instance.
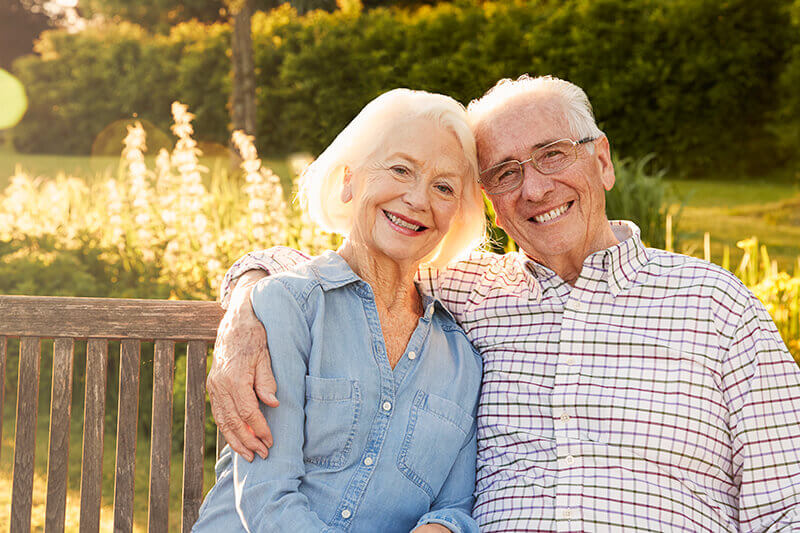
(564, 417)
(346, 513)
(412, 355)
(368, 461)
(569, 459)
(578, 305)
(387, 406)
(566, 513)
(570, 360)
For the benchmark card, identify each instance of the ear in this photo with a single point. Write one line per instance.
(607, 176)
(347, 186)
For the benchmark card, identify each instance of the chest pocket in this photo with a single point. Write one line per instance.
(332, 406)
(437, 429)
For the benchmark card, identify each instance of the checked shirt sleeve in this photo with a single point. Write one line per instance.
(761, 381)
(272, 260)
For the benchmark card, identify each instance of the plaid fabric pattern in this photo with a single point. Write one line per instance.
(654, 395)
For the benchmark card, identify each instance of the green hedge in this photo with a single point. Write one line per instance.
(691, 80)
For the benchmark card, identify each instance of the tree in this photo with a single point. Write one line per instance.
(19, 28)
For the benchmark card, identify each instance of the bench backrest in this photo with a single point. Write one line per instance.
(99, 320)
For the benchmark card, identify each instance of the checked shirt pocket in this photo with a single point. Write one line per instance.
(331, 409)
(437, 429)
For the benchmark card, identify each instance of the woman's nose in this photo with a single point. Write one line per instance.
(416, 196)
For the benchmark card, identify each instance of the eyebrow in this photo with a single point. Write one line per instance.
(417, 162)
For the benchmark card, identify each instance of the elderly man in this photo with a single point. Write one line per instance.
(624, 388)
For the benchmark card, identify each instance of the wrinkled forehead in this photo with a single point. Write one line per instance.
(514, 129)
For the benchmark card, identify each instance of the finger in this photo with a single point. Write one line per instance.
(238, 447)
(265, 383)
(221, 410)
(257, 429)
(235, 431)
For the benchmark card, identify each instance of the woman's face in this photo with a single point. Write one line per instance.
(406, 194)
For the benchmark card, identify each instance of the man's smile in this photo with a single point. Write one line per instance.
(552, 214)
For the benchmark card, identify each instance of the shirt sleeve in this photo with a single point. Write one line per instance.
(267, 492)
(272, 260)
(761, 382)
(452, 507)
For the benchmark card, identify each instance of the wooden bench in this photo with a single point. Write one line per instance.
(98, 320)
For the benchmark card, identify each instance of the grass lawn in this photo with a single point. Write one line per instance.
(104, 167)
(734, 210)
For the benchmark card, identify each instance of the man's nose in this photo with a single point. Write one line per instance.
(535, 185)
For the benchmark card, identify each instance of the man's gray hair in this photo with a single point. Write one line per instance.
(576, 105)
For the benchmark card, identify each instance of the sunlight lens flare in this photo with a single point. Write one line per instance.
(15, 103)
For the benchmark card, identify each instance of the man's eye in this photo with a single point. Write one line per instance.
(505, 174)
(554, 154)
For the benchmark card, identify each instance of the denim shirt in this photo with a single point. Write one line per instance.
(359, 447)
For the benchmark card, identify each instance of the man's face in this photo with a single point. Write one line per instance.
(549, 216)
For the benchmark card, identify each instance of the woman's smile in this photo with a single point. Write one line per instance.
(404, 225)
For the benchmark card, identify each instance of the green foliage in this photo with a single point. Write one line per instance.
(687, 79)
(642, 196)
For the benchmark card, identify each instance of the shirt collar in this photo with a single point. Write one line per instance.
(333, 272)
(624, 260)
(620, 262)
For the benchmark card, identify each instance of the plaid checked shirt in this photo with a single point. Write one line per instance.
(654, 395)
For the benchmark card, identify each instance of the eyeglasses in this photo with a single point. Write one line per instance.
(548, 159)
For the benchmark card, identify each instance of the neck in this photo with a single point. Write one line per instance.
(568, 266)
(392, 283)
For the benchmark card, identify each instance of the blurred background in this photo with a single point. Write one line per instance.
(121, 175)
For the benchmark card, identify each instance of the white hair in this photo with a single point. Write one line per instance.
(322, 181)
(575, 104)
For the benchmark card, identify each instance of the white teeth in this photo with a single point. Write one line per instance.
(402, 223)
(551, 214)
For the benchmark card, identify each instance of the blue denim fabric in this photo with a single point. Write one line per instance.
(359, 447)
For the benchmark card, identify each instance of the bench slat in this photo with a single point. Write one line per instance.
(58, 456)
(107, 318)
(194, 433)
(127, 421)
(93, 417)
(161, 436)
(3, 346)
(25, 439)
(220, 443)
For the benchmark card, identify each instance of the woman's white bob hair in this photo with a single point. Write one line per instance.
(322, 181)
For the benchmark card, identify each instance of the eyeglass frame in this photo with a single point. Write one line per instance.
(530, 160)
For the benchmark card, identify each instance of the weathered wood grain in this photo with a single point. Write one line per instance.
(25, 439)
(220, 443)
(161, 436)
(94, 409)
(194, 433)
(3, 347)
(127, 420)
(107, 318)
(58, 455)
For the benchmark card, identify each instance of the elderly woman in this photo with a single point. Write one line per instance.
(379, 385)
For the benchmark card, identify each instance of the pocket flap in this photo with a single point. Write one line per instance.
(445, 409)
(328, 389)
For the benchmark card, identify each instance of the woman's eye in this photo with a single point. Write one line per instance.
(445, 188)
(400, 170)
